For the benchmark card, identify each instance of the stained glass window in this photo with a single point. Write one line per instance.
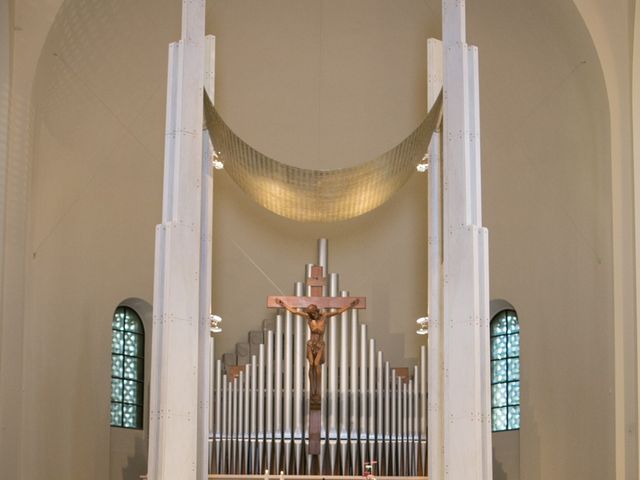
(127, 369)
(505, 371)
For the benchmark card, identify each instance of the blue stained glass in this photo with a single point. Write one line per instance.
(131, 416)
(514, 418)
(514, 345)
(514, 369)
(499, 347)
(499, 395)
(498, 371)
(499, 419)
(514, 393)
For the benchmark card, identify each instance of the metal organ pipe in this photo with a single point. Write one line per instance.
(369, 412)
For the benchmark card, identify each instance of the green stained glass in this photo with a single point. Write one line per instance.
(132, 368)
(117, 341)
(499, 419)
(116, 390)
(499, 347)
(127, 369)
(513, 345)
(505, 371)
(498, 371)
(499, 395)
(132, 392)
(499, 324)
(116, 365)
(132, 323)
(514, 369)
(132, 344)
(131, 416)
(116, 414)
(514, 418)
(118, 320)
(514, 393)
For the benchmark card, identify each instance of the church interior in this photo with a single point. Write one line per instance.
(325, 84)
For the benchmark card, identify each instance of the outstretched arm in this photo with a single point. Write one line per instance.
(295, 311)
(343, 309)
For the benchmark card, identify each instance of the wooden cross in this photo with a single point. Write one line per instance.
(316, 320)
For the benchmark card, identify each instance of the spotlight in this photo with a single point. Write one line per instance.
(215, 161)
(422, 167)
(423, 324)
(215, 320)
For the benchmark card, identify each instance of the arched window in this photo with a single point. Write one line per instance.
(505, 371)
(127, 368)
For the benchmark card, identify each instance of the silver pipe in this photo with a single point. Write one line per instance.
(333, 355)
(424, 413)
(277, 415)
(416, 418)
(364, 431)
(323, 255)
(269, 402)
(212, 401)
(241, 421)
(218, 426)
(405, 425)
(394, 423)
(222, 460)
(410, 457)
(260, 433)
(298, 377)
(353, 426)
(387, 419)
(234, 423)
(288, 390)
(254, 416)
(343, 423)
(246, 434)
(372, 398)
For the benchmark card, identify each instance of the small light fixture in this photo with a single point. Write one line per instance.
(215, 320)
(215, 161)
(423, 166)
(423, 325)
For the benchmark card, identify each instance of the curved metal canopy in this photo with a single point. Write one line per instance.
(309, 195)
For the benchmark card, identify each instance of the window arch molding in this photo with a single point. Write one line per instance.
(144, 311)
(505, 366)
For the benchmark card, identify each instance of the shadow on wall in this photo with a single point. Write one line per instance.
(137, 463)
(498, 471)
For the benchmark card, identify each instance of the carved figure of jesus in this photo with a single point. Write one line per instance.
(315, 345)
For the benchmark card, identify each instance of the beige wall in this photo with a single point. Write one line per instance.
(321, 84)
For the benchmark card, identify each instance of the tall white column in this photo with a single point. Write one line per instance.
(433, 418)
(179, 365)
(466, 410)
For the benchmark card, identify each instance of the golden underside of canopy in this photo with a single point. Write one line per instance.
(309, 195)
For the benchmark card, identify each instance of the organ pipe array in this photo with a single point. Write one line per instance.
(370, 412)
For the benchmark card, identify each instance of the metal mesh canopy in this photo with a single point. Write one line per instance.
(319, 195)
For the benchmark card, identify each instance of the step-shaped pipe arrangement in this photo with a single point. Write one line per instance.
(370, 412)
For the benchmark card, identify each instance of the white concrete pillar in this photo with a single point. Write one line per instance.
(466, 410)
(179, 373)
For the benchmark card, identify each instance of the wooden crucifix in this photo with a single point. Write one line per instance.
(310, 308)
